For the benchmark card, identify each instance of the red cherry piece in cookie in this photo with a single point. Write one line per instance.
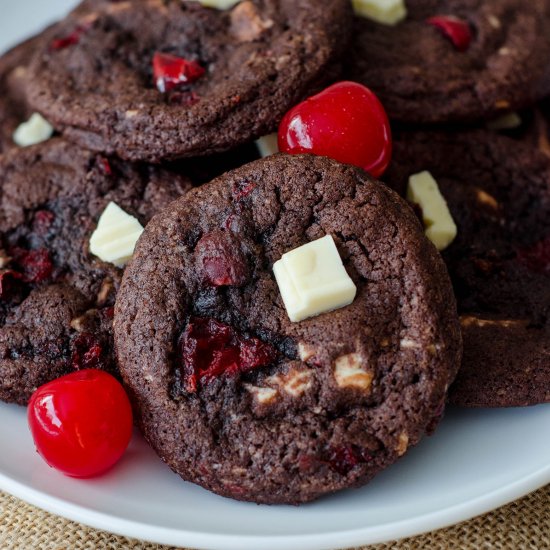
(36, 265)
(346, 122)
(43, 219)
(537, 257)
(221, 260)
(344, 458)
(105, 166)
(81, 423)
(210, 349)
(87, 352)
(171, 71)
(456, 30)
(70, 40)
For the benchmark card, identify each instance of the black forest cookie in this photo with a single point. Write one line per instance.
(154, 79)
(56, 298)
(498, 191)
(455, 60)
(232, 394)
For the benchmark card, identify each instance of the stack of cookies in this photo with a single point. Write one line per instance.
(286, 326)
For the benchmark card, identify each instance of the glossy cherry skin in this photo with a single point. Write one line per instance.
(81, 423)
(346, 122)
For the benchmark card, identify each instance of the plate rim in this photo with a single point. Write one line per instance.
(389, 531)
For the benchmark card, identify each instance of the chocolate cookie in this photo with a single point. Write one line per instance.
(498, 191)
(238, 399)
(154, 79)
(421, 76)
(56, 299)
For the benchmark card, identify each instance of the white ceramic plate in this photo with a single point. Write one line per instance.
(477, 461)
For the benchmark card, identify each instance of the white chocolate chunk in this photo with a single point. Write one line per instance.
(218, 4)
(440, 226)
(349, 372)
(268, 145)
(36, 130)
(509, 121)
(402, 444)
(312, 280)
(295, 382)
(115, 236)
(262, 395)
(386, 12)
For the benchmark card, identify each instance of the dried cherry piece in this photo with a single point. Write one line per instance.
(210, 349)
(87, 352)
(105, 166)
(9, 283)
(42, 222)
(537, 257)
(243, 190)
(455, 29)
(221, 260)
(344, 458)
(36, 265)
(70, 40)
(171, 71)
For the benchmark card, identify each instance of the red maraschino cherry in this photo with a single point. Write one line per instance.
(171, 71)
(81, 423)
(346, 122)
(455, 29)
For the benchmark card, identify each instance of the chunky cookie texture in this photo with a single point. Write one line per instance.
(152, 79)
(427, 70)
(232, 394)
(498, 191)
(56, 299)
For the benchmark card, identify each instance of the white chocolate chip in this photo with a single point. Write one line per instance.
(36, 130)
(406, 343)
(312, 280)
(268, 145)
(247, 24)
(508, 121)
(82, 323)
(349, 372)
(386, 12)
(305, 351)
(115, 236)
(488, 200)
(494, 21)
(105, 290)
(402, 444)
(294, 383)
(440, 226)
(218, 4)
(4, 259)
(262, 395)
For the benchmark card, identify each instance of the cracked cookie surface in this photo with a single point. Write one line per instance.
(421, 78)
(235, 397)
(56, 299)
(260, 58)
(498, 191)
